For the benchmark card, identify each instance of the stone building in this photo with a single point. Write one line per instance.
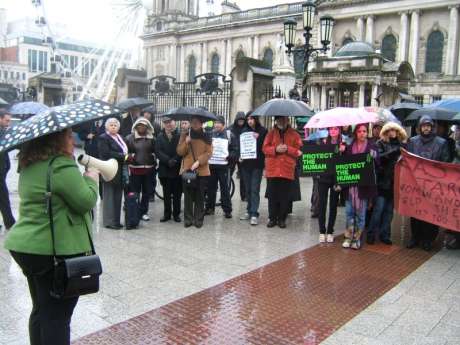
(414, 40)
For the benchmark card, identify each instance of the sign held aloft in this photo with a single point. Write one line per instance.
(318, 159)
(355, 170)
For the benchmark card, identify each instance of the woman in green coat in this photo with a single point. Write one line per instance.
(29, 241)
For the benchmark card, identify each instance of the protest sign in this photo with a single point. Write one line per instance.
(318, 159)
(428, 190)
(355, 170)
(248, 145)
(219, 151)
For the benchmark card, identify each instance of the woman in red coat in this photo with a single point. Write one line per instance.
(281, 148)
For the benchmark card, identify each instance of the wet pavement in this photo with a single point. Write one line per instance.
(249, 285)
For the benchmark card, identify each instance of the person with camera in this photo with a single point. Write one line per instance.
(30, 241)
(168, 169)
(195, 148)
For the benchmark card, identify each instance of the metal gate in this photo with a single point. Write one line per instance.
(210, 90)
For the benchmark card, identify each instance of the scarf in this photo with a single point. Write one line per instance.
(356, 202)
(201, 135)
(119, 140)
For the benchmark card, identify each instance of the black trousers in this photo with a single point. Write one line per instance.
(325, 189)
(279, 201)
(221, 176)
(194, 202)
(49, 322)
(242, 183)
(142, 184)
(172, 191)
(5, 206)
(423, 232)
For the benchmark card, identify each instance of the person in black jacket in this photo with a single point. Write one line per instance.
(142, 163)
(128, 121)
(168, 169)
(236, 128)
(392, 138)
(224, 152)
(252, 169)
(5, 165)
(112, 145)
(326, 186)
(427, 145)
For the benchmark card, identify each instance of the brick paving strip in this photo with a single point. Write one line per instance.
(301, 299)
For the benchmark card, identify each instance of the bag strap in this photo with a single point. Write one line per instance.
(193, 153)
(49, 209)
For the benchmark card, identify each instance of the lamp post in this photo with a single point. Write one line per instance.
(308, 51)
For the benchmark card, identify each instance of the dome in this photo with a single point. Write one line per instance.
(355, 49)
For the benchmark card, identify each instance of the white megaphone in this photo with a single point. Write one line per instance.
(108, 169)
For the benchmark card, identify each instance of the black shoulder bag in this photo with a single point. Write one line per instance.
(74, 276)
(190, 177)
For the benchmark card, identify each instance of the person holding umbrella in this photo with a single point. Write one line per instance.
(326, 186)
(196, 149)
(47, 148)
(358, 197)
(281, 149)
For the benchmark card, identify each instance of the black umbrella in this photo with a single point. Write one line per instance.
(54, 120)
(437, 114)
(186, 113)
(283, 107)
(151, 109)
(135, 102)
(404, 109)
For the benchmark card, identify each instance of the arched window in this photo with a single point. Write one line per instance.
(389, 47)
(299, 63)
(347, 40)
(240, 54)
(215, 61)
(191, 68)
(434, 48)
(268, 57)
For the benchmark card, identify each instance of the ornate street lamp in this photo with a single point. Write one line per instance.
(309, 52)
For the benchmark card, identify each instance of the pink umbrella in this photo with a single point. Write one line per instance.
(339, 117)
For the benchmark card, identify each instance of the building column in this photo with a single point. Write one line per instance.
(146, 62)
(255, 49)
(228, 57)
(370, 30)
(414, 40)
(204, 58)
(172, 60)
(249, 43)
(403, 37)
(360, 26)
(323, 97)
(182, 63)
(151, 60)
(362, 90)
(375, 92)
(452, 43)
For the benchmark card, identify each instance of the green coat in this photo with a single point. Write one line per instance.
(73, 197)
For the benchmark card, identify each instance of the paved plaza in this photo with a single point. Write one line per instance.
(151, 276)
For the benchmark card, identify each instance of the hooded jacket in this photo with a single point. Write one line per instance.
(431, 146)
(234, 128)
(232, 149)
(259, 162)
(142, 148)
(389, 151)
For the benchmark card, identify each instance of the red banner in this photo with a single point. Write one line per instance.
(428, 190)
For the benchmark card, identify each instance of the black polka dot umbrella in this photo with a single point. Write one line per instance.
(54, 120)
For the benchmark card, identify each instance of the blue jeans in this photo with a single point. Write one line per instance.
(382, 215)
(355, 216)
(252, 179)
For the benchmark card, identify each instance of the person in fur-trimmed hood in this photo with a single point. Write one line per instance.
(142, 162)
(393, 137)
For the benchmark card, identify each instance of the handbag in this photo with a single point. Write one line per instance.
(75, 275)
(190, 177)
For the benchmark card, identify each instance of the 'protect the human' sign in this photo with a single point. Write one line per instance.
(318, 159)
(355, 170)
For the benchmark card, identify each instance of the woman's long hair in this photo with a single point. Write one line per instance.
(42, 148)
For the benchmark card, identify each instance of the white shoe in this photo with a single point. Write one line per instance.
(330, 238)
(322, 238)
(145, 217)
(245, 216)
(254, 221)
(346, 243)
